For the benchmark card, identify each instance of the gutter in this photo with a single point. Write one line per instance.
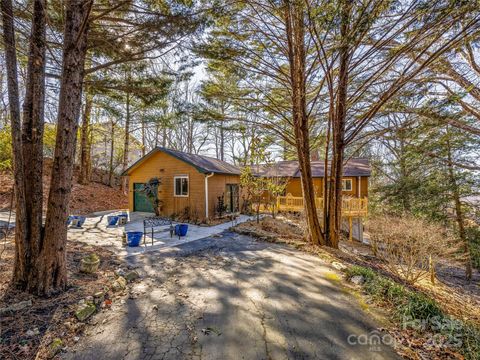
(206, 194)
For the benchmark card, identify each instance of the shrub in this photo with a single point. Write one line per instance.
(410, 246)
(408, 304)
(5, 149)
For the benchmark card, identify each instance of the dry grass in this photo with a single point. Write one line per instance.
(410, 247)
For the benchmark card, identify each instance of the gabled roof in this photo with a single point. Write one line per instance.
(290, 168)
(203, 164)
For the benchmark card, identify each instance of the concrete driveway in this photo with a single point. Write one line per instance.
(232, 297)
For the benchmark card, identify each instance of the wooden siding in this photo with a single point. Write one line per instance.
(294, 187)
(166, 167)
(216, 187)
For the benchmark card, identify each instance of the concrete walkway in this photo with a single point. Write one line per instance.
(95, 231)
(232, 297)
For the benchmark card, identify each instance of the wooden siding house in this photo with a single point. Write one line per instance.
(355, 190)
(355, 177)
(190, 184)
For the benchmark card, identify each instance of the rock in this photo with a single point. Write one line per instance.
(357, 279)
(120, 272)
(132, 276)
(338, 266)
(18, 306)
(119, 284)
(98, 297)
(85, 311)
(55, 347)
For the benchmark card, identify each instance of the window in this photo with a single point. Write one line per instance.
(347, 185)
(180, 184)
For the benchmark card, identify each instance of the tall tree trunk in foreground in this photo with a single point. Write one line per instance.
(85, 144)
(30, 149)
(334, 215)
(126, 142)
(459, 216)
(112, 154)
(21, 243)
(295, 28)
(51, 265)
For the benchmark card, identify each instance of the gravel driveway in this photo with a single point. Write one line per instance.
(232, 297)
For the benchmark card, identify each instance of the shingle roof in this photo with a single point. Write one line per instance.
(203, 164)
(280, 168)
(353, 167)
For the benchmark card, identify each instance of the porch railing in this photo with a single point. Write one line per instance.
(352, 207)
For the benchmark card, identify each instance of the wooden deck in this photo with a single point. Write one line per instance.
(351, 207)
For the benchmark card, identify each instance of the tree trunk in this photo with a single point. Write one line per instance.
(126, 142)
(25, 275)
(21, 242)
(85, 144)
(51, 265)
(112, 154)
(334, 216)
(295, 28)
(459, 216)
(143, 136)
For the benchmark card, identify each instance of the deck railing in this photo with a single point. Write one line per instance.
(352, 207)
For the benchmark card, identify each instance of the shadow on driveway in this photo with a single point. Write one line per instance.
(234, 298)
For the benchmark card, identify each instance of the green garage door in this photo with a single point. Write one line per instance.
(140, 201)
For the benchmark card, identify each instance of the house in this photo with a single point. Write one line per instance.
(355, 176)
(190, 184)
(196, 186)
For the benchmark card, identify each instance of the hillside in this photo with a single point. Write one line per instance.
(85, 198)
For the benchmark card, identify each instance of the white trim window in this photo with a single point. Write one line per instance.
(347, 185)
(180, 186)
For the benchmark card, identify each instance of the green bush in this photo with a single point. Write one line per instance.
(473, 235)
(408, 304)
(471, 341)
(5, 149)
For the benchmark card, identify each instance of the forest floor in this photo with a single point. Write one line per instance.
(32, 327)
(85, 198)
(454, 294)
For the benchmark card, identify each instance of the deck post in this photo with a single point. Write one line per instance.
(350, 229)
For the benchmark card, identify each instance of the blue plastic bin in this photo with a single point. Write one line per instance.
(181, 229)
(134, 238)
(112, 220)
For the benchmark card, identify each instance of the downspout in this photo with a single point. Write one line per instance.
(206, 194)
